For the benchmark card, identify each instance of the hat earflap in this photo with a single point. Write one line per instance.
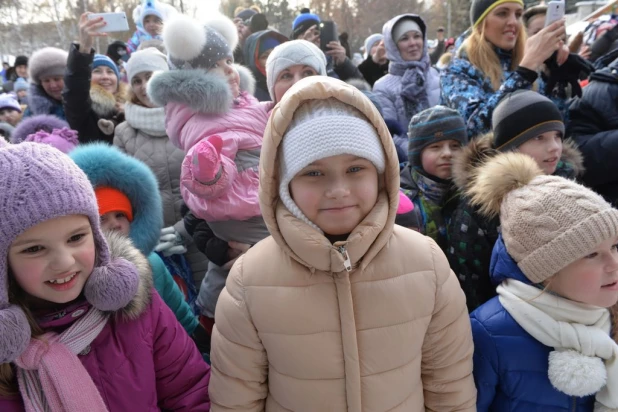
(15, 333)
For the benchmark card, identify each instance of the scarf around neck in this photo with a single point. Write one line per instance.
(585, 358)
(149, 120)
(432, 197)
(414, 77)
(52, 378)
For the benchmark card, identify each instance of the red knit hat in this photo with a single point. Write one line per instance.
(113, 200)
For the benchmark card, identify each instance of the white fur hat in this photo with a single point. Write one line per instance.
(290, 54)
(48, 61)
(320, 129)
(191, 45)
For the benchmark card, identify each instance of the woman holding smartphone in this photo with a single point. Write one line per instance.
(497, 59)
(93, 95)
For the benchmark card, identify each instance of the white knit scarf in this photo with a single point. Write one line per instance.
(149, 120)
(585, 359)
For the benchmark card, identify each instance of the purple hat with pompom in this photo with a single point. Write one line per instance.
(40, 183)
(63, 139)
(31, 125)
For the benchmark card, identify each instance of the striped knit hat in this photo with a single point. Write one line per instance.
(522, 115)
(430, 126)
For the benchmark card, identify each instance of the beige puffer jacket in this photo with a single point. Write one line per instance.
(295, 331)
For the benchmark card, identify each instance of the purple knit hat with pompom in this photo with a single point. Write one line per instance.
(63, 139)
(31, 125)
(40, 183)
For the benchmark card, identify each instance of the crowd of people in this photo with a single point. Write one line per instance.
(218, 215)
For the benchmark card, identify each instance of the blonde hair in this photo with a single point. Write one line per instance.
(17, 296)
(445, 59)
(482, 55)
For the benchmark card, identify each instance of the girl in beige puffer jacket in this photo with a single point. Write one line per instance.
(340, 309)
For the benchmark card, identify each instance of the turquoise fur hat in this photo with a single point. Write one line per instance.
(107, 166)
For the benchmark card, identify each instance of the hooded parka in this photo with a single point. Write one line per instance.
(299, 327)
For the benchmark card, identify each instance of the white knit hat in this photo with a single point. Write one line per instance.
(320, 129)
(147, 60)
(290, 54)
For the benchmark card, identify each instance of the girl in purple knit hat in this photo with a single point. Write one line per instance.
(81, 328)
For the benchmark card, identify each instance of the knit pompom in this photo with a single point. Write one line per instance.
(225, 27)
(575, 374)
(113, 286)
(184, 37)
(14, 333)
(499, 176)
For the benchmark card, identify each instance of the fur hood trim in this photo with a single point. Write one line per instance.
(470, 158)
(104, 103)
(105, 165)
(480, 149)
(201, 91)
(122, 247)
(572, 156)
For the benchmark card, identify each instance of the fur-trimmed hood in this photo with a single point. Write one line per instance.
(104, 103)
(201, 91)
(122, 247)
(106, 166)
(480, 149)
(39, 102)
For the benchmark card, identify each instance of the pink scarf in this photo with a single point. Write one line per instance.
(50, 375)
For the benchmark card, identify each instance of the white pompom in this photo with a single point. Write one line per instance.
(225, 27)
(575, 374)
(184, 37)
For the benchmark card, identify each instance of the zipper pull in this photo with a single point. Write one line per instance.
(346, 258)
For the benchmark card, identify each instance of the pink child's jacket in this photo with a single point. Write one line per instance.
(232, 194)
(143, 360)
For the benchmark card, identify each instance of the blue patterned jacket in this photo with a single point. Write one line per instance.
(466, 89)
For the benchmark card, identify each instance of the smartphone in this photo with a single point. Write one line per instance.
(328, 33)
(115, 21)
(555, 11)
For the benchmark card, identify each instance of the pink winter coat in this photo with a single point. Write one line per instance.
(145, 364)
(233, 196)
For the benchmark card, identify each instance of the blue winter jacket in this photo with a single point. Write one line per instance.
(466, 89)
(510, 366)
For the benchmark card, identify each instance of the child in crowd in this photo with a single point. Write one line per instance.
(435, 136)
(20, 87)
(10, 110)
(80, 326)
(543, 344)
(129, 203)
(339, 309)
(219, 124)
(256, 50)
(149, 18)
(523, 121)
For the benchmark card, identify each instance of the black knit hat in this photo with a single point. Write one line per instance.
(434, 125)
(481, 8)
(21, 61)
(522, 115)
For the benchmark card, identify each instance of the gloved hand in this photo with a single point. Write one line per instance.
(170, 242)
(574, 69)
(106, 126)
(206, 162)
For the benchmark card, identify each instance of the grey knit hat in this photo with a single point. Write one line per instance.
(320, 129)
(147, 60)
(292, 53)
(547, 222)
(191, 45)
(48, 61)
(434, 125)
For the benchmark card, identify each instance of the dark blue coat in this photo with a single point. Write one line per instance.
(510, 366)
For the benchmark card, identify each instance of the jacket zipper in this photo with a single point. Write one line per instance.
(574, 404)
(347, 263)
